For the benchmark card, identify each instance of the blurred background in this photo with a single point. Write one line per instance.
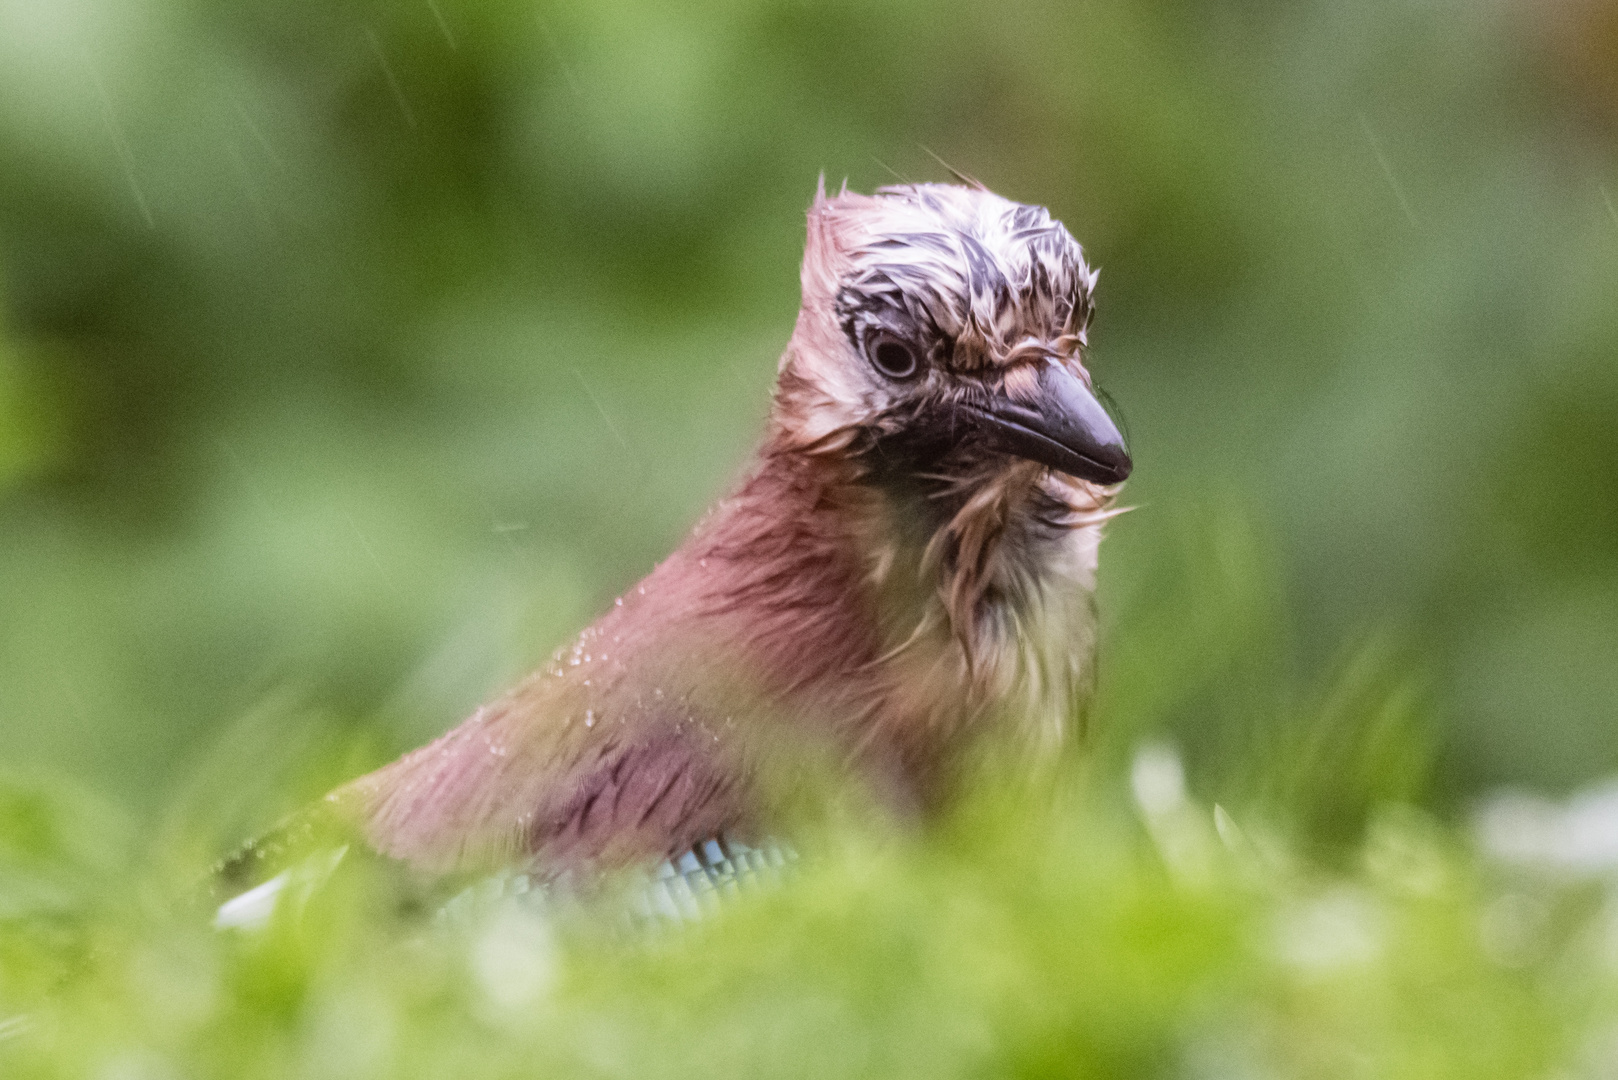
(353, 355)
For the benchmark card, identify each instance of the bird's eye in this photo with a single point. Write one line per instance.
(893, 357)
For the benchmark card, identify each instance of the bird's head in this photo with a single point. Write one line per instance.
(944, 327)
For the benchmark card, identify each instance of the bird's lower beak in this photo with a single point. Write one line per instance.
(1063, 427)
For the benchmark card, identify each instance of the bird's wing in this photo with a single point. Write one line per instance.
(535, 779)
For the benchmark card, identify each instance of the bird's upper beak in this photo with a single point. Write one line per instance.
(1063, 427)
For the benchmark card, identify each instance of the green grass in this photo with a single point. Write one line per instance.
(1098, 932)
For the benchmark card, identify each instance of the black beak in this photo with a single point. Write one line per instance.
(1064, 427)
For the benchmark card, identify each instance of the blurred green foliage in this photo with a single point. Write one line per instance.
(360, 351)
(1113, 947)
(353, 354)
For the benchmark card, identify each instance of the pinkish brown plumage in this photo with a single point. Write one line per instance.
(908, 566)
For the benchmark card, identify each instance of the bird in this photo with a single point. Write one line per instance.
(904, 572)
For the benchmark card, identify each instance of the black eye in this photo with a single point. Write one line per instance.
(893, 357)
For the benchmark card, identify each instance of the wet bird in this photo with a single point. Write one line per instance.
(905, 571)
